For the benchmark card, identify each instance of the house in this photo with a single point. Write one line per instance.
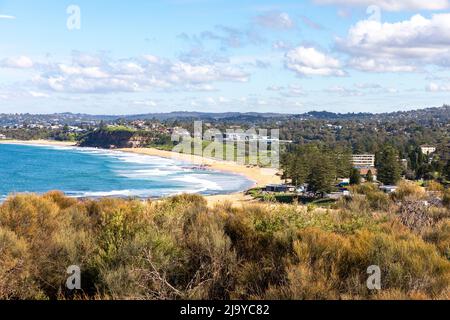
(426, 149)
(280, 188)
(2, 137)
(364, 171)
(363, 160)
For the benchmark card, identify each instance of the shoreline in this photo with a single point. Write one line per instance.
(40, 142)
(260, 176)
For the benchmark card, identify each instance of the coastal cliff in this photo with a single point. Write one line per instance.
(114, 138)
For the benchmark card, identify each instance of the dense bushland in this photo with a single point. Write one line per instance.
(179, 248)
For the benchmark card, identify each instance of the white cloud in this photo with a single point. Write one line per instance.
(398, 47)
(95, 74)
(434, 87)
(309, 61)
(380, 65)
(367, 85)
(151, 58)
(275, 88)
(21, 62)
(7, 17)
(294, 90)
(281, 45)
(36, 94)
(275, 20)
(392, 5)
(146, 103)
(343, 91)
(88, 72)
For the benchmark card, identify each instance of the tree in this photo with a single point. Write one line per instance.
(315, 165)
(355, 177)
(389, 168)
(322, 175)
(446, 170)
(369, 176)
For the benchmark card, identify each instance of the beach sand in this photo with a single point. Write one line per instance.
(41, 142)
(260, 176)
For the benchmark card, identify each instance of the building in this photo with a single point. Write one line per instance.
(428, 149)
(280, 188)
(248, 137)
(2, 137)
(363, 160)
(364, 171)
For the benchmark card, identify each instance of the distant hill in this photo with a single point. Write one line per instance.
(441, 114)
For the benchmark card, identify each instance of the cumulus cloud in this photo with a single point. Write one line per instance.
(275, 20)
(392, 5)
(398, 47)
(21, 62)
(89, 75)
(308, 61)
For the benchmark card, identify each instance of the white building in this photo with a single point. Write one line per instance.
(243, 136)
(2, 137)
(363, 160)
(428, 149)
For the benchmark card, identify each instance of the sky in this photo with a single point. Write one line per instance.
(286, 56)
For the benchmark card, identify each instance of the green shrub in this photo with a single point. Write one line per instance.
(180, 248)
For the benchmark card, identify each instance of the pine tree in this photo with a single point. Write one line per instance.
(369, 176)
(355, 177)
(389, 168)
(322, 175)
(447, 170)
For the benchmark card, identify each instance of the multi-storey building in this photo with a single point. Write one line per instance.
(364, 160)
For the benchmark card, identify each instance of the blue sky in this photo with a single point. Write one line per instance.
(223, 55)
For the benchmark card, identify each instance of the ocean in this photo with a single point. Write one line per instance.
(94, 173)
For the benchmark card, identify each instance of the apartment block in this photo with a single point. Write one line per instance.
(364, 160)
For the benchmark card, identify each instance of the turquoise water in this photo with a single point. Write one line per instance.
(85, 172)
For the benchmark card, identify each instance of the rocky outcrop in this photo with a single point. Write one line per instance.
(108, 139)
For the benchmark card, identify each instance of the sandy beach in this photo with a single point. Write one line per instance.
(41, 142)
(260, 176)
